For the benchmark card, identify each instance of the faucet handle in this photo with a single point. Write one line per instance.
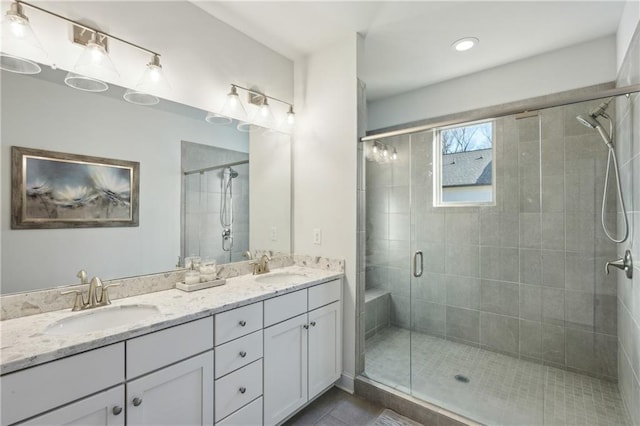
(104, 297)
(78, 303)
(624, 263)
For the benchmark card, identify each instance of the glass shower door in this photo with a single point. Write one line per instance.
(388, 262)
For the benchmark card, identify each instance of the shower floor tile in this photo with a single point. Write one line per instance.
(502, 390)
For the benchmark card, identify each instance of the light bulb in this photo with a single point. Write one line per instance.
(233, 107)
(17, 26)
(385, 152)
(153, 80)
(375, 148)
(394, 156)
(264, 109)
(95, 62)
(291, 116)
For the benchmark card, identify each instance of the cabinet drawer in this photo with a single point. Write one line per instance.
(156, 350)
(235, 390)
(251, 415)
(284, 307)
(238, 322)
(238, 353)
(324, 294)
(37, 389)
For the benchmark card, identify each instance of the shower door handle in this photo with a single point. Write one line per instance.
(416, 272)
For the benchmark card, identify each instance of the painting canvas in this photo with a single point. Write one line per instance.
(59, 190)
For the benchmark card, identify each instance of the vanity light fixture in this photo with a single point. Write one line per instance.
(465, 44)
(85, 83)
(95, 62)
(291, 116)
(262, 115)
(92, 67)
(381, 153)
(215, 118)
(19, 42)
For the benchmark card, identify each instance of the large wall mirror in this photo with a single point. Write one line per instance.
(186, 165)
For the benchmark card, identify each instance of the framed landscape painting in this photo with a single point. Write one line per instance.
(58, 190)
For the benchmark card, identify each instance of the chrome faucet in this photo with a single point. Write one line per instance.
(624, 263)
(98, 294)
(262, 266)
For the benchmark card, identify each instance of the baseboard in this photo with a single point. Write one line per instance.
(346, 383)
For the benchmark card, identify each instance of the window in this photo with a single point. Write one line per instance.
(464, 165)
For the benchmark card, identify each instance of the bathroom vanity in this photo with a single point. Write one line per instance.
(250, 352)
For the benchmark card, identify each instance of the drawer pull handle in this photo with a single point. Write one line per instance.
(137, 401)
(243, 354)
(116, 410)
(313, 323)
(242, 390)
(306, 326)
(242, 323)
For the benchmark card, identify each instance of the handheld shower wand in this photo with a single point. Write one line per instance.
(592, 122)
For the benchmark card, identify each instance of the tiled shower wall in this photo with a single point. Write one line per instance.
(628, 149)
(524, 277)
(202, 234)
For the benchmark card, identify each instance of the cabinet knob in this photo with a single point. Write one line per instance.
(313, 323)
(242, 389)
(243, 354)
(242, 323)
(137, 401)
(116, 410)
(306, 326)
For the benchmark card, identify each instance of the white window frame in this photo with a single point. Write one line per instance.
(437, 167)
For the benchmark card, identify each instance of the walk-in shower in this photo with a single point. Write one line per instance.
(216, 210)
(591, 121)
(513, 319)
(226, 206)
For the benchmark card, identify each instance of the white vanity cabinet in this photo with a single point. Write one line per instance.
(38, 389)
(103, 409)
(166, 384)
(238, 366)
(303, 354)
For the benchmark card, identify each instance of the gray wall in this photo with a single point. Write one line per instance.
(523, 277)
(628, 149)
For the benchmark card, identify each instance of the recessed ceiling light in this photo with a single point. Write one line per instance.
(464, 43)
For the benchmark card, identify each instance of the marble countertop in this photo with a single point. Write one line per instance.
(24, 343)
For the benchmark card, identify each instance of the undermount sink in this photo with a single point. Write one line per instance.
(101, 319)
(280, 278)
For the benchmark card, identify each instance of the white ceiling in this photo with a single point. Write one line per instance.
(408, 44)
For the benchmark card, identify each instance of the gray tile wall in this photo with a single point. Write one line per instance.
(524, 277)
(628, 150)
(203, 230)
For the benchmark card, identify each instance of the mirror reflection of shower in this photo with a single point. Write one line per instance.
(591, 120)
(226, 206)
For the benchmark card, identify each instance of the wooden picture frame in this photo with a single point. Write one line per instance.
(59, 190)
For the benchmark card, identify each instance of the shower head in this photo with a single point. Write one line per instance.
(591, 122)
(232, 173)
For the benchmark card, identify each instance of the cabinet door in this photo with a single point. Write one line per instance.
(325, 348)
(96, 410)
(285, 368)
(181, 394)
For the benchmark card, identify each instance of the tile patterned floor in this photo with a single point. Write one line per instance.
(502, 390)
(337, 408)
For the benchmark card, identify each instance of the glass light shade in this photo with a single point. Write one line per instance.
(233, 106)
(20, 48)
(85, 83)
(263, 115)
(291, 117)
(95, 61)
(248, 127)
(139, 98)
(153, 79)
(218, 119)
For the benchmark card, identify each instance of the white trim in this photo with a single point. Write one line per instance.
(346, 382)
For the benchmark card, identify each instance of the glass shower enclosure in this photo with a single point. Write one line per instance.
(493, 302)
